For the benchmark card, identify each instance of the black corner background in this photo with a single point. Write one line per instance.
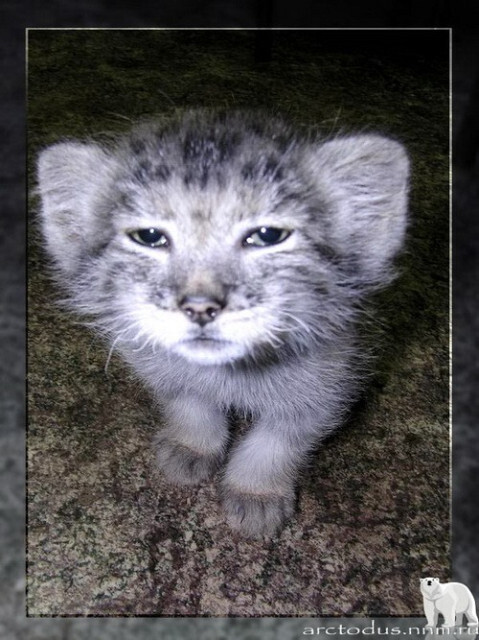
(463, 19)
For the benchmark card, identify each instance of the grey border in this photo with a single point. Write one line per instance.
(12, 624)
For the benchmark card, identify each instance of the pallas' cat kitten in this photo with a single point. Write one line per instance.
(227, 257)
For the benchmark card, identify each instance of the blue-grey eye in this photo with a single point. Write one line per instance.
(266, 236)
(150, 237)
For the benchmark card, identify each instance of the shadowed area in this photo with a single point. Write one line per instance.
(107, 535)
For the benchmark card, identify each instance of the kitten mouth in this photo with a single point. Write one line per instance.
(205, 341)
(206, 349)
(204, 338)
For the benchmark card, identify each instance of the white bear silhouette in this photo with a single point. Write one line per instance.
(452, 599)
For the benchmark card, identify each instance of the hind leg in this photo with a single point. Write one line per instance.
(471, 615)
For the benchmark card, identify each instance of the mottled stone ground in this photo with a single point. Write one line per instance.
(106, 535)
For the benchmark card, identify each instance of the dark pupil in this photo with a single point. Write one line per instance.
(150, 236)
(269, 235)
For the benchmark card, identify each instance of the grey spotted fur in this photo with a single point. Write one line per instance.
(281, 345)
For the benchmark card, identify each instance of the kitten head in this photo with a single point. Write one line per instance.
(219, 237)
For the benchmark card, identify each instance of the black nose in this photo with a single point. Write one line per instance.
(201, 309)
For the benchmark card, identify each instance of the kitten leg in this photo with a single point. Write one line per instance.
(193, 442)
(258, 487)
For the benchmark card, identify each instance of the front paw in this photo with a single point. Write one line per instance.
(257, 515)
(184, 466)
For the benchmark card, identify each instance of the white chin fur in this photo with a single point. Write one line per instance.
(209, 352)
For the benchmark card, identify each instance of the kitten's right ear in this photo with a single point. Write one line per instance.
(71, 178)
(365, 180)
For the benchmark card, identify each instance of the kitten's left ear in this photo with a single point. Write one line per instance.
(73, 178)
(364, 181)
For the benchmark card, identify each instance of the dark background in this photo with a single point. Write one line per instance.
(463, 18)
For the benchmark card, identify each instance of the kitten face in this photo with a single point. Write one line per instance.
(218, 238)
(210, 277)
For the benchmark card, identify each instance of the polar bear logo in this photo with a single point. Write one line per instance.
(451, 599)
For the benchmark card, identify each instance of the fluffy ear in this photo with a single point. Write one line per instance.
(72, 178)
(364, 180)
